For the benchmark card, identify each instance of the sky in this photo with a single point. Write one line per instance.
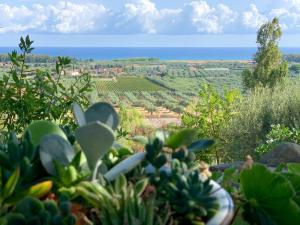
(149, 23)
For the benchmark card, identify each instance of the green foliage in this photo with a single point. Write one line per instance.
(277, 135)
(97, 136)
(130, 118)
(180, 185)
(33, 211)
(270, 68)
(125, 166)
(27, 95)
(104, 113)
(8, 189)
(39, 129)
(54, 148)
(95, 140)
(128, 84)
(121, 202)
(259, 194)
(265, 195)
(20, 172)
(295, 68)
(257, 112)
(210, 114)
(189, 197)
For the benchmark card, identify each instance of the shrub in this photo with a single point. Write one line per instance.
(27, 94)
(257, 113)
(131, 118)
(209, 114)
(278, 134)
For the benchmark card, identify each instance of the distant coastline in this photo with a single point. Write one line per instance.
(173, 54)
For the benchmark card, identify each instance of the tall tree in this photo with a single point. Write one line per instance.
(270, 68)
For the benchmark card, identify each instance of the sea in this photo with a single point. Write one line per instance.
(168, 53)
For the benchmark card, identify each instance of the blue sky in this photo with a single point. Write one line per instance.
(146, 22)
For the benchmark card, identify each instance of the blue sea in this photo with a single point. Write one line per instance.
(170, 53)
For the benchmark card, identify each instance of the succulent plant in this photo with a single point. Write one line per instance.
(97, 137)
(31, 211)
(104, 113)
(39, 129)
(55, 148)
(125, 166)
(188, 195)
(122, 202)
(19, 171)
(79, 115)
(180, 183)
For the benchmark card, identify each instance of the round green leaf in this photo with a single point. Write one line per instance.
(183, 137)
(269, 197)
(39, 129)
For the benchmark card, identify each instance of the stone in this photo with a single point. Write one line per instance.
(285, 152)
(222, 167)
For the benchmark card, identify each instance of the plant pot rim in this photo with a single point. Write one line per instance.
(226, 206)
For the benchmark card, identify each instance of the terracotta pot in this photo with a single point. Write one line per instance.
(226, 210)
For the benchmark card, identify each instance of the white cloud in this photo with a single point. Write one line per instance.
(142, 16)
(71, 17)
(64, 17)
(253, 18)
(289, 16)
(208, 19)
(18, 19)
(146, 17)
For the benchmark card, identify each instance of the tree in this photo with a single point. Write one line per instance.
(270, 67)
(209, 114)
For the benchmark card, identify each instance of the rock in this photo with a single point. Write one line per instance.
(285, 152)
(222, 167)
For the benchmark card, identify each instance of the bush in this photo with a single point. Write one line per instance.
(27, 95)
(209, 114)
(277, 135)
(131, 118)
(257, 113)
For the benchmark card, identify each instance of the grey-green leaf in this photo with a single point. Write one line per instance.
(103, 112)
(125, 166)
(200, 145)
(55, 148)
(95, 139)
(78, 114)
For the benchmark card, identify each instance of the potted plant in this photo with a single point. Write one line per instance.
(102, 175)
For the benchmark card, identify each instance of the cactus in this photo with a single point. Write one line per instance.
(55, 148)
(33, 211)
